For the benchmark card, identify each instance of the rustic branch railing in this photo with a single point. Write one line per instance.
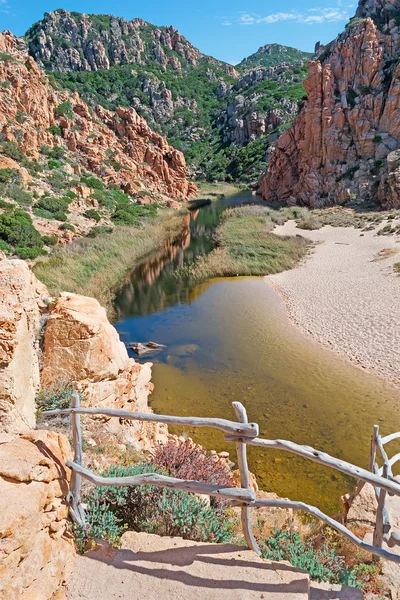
(383, 524)
(243, 434)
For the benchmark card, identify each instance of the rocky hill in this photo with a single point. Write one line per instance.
(272, 55)
(194, 100)
(66, 167)
(344, 145)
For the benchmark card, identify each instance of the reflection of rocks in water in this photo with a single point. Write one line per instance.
(149, 271)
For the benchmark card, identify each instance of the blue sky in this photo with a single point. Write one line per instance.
(226, 29)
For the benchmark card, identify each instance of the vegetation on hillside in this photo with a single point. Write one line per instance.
(95, 266)
(184, 104)
(272, 55)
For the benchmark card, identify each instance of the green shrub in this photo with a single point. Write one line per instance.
(55, 153)
(64, 109)
(29, 253)
(131, 214)
(95, 231)
(53, 205)
(50, 240)
(53, 164)
(92, 182)
(6, 248)
(12, 150)
(59, 396)
(55, 130)
(6, 57)
(8, 175)
(92, 213)
(15, 192)
(149, 508)
(66, 227)
(21, 117)
(16, 229)
(323, 564)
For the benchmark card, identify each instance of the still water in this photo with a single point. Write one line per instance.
(230, 340)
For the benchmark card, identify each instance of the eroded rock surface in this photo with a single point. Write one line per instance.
(36, 551)
(140, 157)
(82, 348)
(344, 144)
(21, 299)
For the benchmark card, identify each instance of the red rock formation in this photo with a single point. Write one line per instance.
(140, 157)
(344, 143)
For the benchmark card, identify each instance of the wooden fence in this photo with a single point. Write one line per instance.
(383, 524)
(243, 434)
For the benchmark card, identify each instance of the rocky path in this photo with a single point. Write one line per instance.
(153, 567)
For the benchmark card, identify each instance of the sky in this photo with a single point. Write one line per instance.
(226, 29)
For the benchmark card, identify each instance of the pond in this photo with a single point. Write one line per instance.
(231, 340)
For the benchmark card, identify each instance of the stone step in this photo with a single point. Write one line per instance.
(149, 567)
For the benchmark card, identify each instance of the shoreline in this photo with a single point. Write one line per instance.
(345, 297)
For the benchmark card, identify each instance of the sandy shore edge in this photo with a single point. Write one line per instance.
(346, 296)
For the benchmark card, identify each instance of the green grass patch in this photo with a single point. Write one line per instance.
(246, 246)
(96, 266)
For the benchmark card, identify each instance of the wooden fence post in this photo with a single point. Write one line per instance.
(241, 450)
(379, 525)
(74, 495)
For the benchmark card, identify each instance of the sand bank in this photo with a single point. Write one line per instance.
(346, 296)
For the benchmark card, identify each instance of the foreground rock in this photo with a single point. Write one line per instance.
(21, 299)
(344, 145)
(82, 348)
(36, 550)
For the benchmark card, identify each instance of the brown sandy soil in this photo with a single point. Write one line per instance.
(346, 295)
(151, 567)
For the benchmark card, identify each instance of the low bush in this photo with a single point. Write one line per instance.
(323, 563)
(6, 248)
(131, 214)
(9, 175)
(92, 182)
(64, 109)
(92, 213)
(12, 150)
(16, 229)
(99, 230)
(55, 130)
(149, 508)
(53, 205)
(58, 396)
(50, 240)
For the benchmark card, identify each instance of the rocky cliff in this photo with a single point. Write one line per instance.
(344, 145)
(66, 166)
(173, 85)
(30, 116)
(47, 347)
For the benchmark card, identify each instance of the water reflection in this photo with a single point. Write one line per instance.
(152, 286)
(230, 340)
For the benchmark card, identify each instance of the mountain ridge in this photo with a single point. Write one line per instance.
(185, 95)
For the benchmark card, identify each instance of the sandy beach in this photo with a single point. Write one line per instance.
(347, 297)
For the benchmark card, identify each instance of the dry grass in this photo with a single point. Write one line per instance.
(386, 253)
(95, 267)
(246, 246)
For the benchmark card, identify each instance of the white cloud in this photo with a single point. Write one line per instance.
(226, 23)
(312, 16)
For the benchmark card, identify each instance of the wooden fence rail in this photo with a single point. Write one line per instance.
(383, 524)
(243, 434)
